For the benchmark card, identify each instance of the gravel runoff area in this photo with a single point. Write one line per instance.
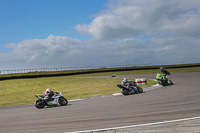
(185, 126)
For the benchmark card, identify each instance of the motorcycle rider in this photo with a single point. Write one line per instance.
(131, 87)
(164, 71)
(48, 94)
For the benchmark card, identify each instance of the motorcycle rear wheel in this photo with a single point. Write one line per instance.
(39, 104)
(125, 92)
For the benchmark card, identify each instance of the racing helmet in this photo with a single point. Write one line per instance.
(48, 90)
(125, 79)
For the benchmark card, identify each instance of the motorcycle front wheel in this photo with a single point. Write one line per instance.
(171, 82)
(39, 104)
(63, 101)
(140, 90)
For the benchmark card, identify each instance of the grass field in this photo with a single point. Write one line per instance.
(22, 91)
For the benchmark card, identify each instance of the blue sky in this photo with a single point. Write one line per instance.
(31, 19)
(65, 33)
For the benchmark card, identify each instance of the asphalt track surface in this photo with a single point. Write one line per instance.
(179, 101)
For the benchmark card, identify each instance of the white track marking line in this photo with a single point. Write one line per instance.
(152, 87)
(140, 125)
(117, 94)
(75, 100)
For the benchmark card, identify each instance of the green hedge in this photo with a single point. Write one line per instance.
(76, 72)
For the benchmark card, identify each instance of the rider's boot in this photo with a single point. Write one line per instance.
(55, 101)
(136, 90)
(132, 91)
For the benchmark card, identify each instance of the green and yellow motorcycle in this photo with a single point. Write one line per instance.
(163, 79)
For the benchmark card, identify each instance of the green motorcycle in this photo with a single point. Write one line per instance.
(57, 100)
(163, 79)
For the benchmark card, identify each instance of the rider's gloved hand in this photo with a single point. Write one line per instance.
(46, 98)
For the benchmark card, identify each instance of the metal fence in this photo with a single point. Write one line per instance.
(2, 72)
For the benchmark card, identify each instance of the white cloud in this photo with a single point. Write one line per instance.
(128, 32)
(128, 18)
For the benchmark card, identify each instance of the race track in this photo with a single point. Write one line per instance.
(179, 101)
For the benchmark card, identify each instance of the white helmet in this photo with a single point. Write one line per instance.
(48, 90)
(125, 79)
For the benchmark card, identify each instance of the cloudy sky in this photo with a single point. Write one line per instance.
(51, 33)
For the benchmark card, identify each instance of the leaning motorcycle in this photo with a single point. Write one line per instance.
(57, 100)
(127, 90)
(162, 79)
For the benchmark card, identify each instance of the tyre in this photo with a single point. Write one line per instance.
(163, 84)
(39, 104)
(171, 82)
(140, 90)
(63, 101)
(125, 92)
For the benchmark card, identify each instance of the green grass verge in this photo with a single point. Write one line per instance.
(22, 91)
(75, 72)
